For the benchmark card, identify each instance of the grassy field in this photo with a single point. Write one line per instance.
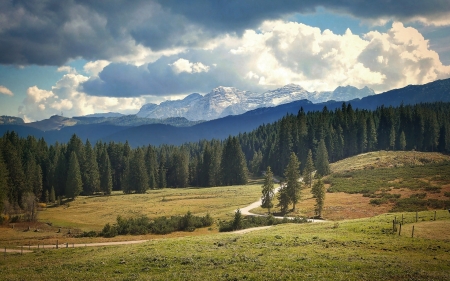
(357, 242)
(363, 249)
(92, 213)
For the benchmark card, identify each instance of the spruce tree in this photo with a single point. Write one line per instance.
(320, 197)
(283, 199)
(91, 181)
(292, 176)
(137, 177)
(402, 141)
(3, 181)
(233, 164)
(322, 165)
(309, 170)
(52, 197)
(105, 173)
(267, 190)
(74, 185)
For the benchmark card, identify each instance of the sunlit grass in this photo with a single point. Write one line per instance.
(360, 249)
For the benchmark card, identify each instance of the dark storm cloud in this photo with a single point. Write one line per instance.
(51, 32)
(237, 15)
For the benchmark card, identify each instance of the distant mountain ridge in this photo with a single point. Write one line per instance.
(224, 101)
(157, 134)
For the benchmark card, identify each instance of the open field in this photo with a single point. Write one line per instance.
(92, 213)
(357, 242)
(362, 249)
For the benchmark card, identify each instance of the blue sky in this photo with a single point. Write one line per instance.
(82, 57)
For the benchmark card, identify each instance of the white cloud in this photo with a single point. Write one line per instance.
(5, 91)
(183, 65)
(66, 97)
(95, 67)
(67, 69)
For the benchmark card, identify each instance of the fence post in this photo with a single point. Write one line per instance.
(402, 218)
(412, 234)
(56, 244)
(434, 215)
(400, 230)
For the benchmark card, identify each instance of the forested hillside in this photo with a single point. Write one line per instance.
(31, 169)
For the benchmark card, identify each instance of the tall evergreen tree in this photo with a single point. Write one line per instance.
(137, 176)
(151, 165)
(392, 137)
(283, 199)
(402, 141)
(267, 190)
(74, 185)
(371, 134)
(292, 176)
(322, 164)
(320, 197)
(91, 176)
(3, 181)
(105, 173)
(233, 164)
(309, 170)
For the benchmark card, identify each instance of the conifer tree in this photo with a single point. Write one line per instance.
(52, 197)
(233, 164)
(320, 197)
(3, 181)
(322, 164)
(283, 199)
(91, 178)
(309, 170)
(74, 185)
(137, 176)
(392, 138)
(402, 141)
(105, 173)
(152, 167)
(267, 190)
(292, 176)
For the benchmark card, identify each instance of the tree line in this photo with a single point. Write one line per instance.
(30, 168)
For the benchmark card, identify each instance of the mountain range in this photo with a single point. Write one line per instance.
(224, 101)
(150, 133)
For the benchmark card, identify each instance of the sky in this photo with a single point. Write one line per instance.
(80, 57)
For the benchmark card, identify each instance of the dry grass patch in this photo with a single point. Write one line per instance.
(385, 159)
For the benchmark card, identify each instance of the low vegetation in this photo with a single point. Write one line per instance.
(364, 249)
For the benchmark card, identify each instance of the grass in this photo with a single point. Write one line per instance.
(92, 213)
(362, 249)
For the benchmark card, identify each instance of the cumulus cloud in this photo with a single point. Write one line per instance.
(65, 97)
(5, 91)
(278, 53)
(52, 32)
(183, 65)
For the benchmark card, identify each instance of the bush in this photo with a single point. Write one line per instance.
(161, 225)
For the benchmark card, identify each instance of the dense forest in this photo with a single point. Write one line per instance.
(33, 171)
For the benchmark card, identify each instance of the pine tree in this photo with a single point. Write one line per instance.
(74, 185)
(52, 197)
(3, 181)
(320, 197)
(152, 167)
(371, 134)
(309, 170)
(283, 199)
(137, 177)
(105, 173)
(392, 138)
(292, 175)
(267, 190)
(233, 164)
(402, 141)
(322, 164)
(91, 181)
